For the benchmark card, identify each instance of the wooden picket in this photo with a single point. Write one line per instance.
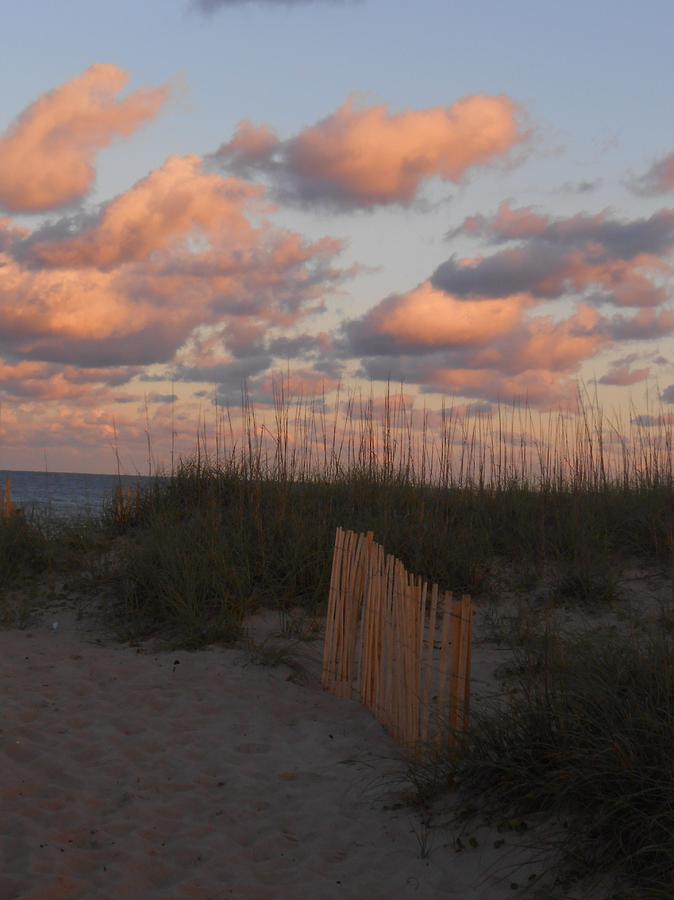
(397, 644)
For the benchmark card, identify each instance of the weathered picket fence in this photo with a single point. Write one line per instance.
(7, 508)
(399, 646)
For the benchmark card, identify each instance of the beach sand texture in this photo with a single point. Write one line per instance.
(127, 774)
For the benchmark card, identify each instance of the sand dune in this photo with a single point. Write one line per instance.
(127, 774)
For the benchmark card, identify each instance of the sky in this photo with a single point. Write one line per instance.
(475, 199)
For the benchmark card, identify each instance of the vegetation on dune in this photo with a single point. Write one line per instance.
(584, 735)
(250, 520)
(589, 736)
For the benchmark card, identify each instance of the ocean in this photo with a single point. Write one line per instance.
(64, 495)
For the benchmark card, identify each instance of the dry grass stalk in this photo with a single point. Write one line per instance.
(7, 508)
(126, 504)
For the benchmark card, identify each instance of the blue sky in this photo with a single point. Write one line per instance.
(592, 80)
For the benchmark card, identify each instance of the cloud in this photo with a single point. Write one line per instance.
(667, 396)
(645, 325)
(585, 186)
(176, 253)
(365, 156)
(30, 381)
(161, 398)
(476, 328)
(659, 179)
(436, 374)
(494, 346)
(172, 206)
(624, 376)
(648, 421)
(47, 154)
(426, 318)
(615, 238)
(490, 347)
(606, 260)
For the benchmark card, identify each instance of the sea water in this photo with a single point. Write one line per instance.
(64, 495)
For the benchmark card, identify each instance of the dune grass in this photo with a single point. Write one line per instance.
(584, 735)
(38, 553)
(249, 520)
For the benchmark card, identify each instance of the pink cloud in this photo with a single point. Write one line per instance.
(624, 376)
(366, 156)
(165, 210)
(175, 253)
(540, 388)
(299, 383)
(659, 179)
(26, 382)
(47, 153)
(429, 318)
(484, 348)
(507, 223)
(542, 344)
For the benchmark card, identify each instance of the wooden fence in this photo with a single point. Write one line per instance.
(401, 648)
(7, 508)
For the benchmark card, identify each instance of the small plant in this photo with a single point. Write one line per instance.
(269, 652)
(425, 837)
(588, 582)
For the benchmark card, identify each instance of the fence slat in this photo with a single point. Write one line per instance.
(333, 600)
(430, 653)
(381, 634)
(440, 716)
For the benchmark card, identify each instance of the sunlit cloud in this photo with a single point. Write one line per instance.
(29, 381)
(47, 154)
(427, 318)
(623, 375)
(476, 327)
(175, 253)
(365, 156)
(479, 347)
(171, 296)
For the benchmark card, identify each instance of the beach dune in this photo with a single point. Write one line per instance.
(128, 774)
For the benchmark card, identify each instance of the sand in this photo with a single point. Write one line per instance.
(134, 774)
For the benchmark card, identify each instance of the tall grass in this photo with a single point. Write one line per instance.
(250, 518)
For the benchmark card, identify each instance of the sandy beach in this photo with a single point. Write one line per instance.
(130, 774)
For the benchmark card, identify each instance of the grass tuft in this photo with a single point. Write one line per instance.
(584, 737)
